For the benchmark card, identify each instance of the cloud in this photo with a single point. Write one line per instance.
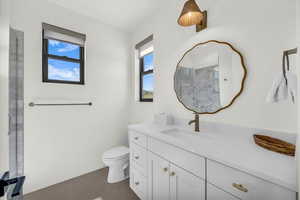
(68, 47)
(63, 46)
(63, 74)
(54, 42)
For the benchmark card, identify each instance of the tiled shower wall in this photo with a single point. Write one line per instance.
(16, 104)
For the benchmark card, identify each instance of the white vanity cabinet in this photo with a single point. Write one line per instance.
(184, 185)
(159, 178)
(160, 170)
(214, 193)
(243, 185)
(138, 164)
(167, 181)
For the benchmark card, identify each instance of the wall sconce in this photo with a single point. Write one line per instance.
(192, 15)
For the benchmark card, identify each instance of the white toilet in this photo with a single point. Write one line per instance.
(117, 159)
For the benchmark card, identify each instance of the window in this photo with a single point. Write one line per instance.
(146, 77)
(63, 55)
(146, 65)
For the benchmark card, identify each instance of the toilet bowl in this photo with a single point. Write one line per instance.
(117, 160)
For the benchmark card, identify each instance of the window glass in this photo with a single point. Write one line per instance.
(145, 55)
(63, 70)
(59, 48)
(148, 62)
(147, 92)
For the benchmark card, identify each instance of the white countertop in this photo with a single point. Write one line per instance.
(233, 146)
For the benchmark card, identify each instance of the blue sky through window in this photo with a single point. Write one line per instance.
(148, 82)
(148, 79)
(63, 70)
(63, 49)
(148, 62)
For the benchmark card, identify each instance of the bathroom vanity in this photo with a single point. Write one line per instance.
(221, 162)
(210, 161)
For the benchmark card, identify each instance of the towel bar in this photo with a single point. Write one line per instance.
(32, 104)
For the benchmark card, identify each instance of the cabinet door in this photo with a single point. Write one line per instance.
(214, 193)
(184, 185)
(158, 178)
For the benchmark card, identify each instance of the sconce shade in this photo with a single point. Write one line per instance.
(191, 14)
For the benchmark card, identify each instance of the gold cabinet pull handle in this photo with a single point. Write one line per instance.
(165, 169)
(172, 174)
(240, 187)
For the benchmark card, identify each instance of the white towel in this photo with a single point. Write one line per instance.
(278, 91)
(292, 86)
(281, 90)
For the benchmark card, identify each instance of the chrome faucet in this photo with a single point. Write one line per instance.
(196, 121)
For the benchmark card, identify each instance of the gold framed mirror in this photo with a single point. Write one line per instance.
(210, 77)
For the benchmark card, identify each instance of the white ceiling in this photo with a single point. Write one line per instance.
(122, 14)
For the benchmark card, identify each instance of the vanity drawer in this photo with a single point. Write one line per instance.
(214, 193)
(138, 183)
(184, 159)
(138, 138)
(245, 186)
(138, 156)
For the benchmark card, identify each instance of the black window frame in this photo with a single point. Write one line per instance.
(46, 56)
(142, 74)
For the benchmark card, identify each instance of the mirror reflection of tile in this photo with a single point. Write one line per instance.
(199, 88)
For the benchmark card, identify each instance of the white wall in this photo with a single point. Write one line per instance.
(65, 142)
(261, 30)
(4, 63)
(298, 72)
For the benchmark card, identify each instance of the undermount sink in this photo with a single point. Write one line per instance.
(186, 134)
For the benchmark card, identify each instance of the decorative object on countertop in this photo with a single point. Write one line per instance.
(285, 85)
(192, 15)
(163, 119)
(209, 77)
(274, 144)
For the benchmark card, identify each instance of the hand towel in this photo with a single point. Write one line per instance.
(292, 85)
(278, 91)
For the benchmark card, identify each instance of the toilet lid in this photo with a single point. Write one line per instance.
(116, 152)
